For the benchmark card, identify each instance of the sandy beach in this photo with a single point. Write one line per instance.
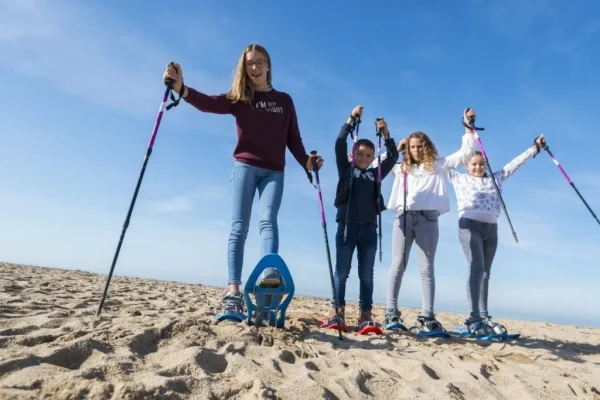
(158, 340)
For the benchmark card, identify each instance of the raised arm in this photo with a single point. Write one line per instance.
(341, 145)
(391, 155)
(385, 156)
(218, 104)
(512, 167)
(467, 149)
(214, 104)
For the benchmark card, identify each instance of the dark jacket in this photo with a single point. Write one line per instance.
(363, 207)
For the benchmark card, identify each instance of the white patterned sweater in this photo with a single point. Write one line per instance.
(476, 197)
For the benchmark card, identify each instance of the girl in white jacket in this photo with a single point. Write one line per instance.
(417, 221)
(478, 209)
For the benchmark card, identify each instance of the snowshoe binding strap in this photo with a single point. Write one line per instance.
(429, 324)
(393, 320)
(366, 325)
(479, 329)
(334, 323)
(496, 327)
(429, 327)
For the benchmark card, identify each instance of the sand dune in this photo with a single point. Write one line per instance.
(157, 339)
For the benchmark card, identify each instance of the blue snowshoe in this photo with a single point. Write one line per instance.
(393, 321)
(484, 329)
(499, 329)
(272, 287)
(429, 327)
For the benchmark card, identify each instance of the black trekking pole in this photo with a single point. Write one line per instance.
(354, 146)
(324, 224)
(405, 190)
(379, 134)
(169, 84)
(489, 167)
(545, 147)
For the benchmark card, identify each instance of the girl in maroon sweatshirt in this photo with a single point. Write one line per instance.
(266, 124)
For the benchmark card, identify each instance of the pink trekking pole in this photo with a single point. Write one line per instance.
(324, 224)
(487, 162)
(169, 85)
(545, 147)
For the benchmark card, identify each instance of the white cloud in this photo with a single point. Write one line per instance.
(175, 203)
(206, 195)
(111, 65)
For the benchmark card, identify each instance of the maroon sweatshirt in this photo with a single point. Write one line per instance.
(264, 129)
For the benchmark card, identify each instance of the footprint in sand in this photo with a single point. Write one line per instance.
(18, 331)
(265, 340)
(486, 370)
(75, 354)
(236, 348)
(363, 381)
(30, 341)
(145, 342)
(211, 362)
(287, 356)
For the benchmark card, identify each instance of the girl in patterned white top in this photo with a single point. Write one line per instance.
(478, 209)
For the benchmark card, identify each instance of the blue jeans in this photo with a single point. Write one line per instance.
(363, 237)
(246, 179)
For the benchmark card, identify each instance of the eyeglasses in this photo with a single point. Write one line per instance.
(259, 63)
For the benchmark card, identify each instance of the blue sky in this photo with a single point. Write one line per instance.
(82, 85)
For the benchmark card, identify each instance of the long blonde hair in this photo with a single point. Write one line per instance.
(429, 157)
(242, 88)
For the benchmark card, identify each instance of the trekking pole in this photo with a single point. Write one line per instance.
(405, 189)
(169, 84)
(545, 147)
(379, 134)
(324, 224)
(487, 162)
(354, 145)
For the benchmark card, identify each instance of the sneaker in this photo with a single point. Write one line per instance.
(429, 324)
(333, 319)
(233, 303)
(365, 320)
(478, 328)
(496, 327)
(392, 316)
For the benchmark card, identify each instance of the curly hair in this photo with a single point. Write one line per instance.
(241, 88)
(430, 156)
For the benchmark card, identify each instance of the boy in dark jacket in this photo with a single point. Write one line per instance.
(364, 210)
